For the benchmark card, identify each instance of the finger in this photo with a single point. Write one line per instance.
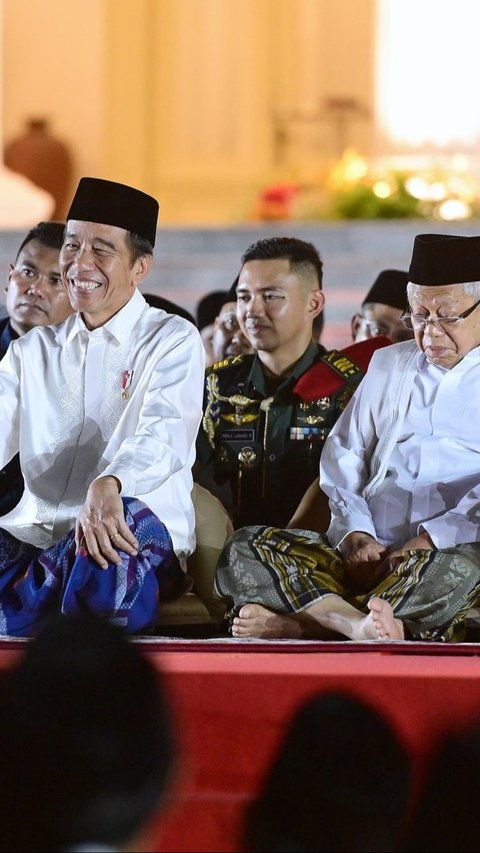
(125, 539)
(361, 556)
(100, 548)
(109, 546)
(119, 540)
(114, 537)
(395, 560)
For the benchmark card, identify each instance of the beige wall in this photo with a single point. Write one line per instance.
(183, 97)
(54, 66)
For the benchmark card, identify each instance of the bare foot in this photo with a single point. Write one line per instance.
(385, 625)
(255, 620)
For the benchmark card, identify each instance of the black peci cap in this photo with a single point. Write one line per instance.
(439, 259)
(209, 306)
(389, 288)
(110, 203)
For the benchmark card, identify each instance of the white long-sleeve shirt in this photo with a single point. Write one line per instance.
(405, 453)
(62, 408)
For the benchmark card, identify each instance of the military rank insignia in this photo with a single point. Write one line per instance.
(308, 433)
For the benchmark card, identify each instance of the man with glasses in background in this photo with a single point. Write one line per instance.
(401, 468)
(381, 310)
(227, 337)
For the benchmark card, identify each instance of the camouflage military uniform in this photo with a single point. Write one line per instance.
(260, 441)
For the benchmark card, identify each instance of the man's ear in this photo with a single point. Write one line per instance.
(355, 324)
(10, 270)
(317, 302)
(141, 268)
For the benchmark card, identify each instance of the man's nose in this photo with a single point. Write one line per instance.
(36, 286)
(255, 306)
(432, 329)
(83, 258)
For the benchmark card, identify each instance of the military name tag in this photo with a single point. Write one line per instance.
(238, 435)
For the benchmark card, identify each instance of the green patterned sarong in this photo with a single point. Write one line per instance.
(288, 570)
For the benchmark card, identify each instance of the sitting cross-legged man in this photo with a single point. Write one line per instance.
(401, 468)
(104, 410)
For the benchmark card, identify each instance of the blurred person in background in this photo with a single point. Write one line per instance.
(227, 337)
(36, 296)
(87, 740)
(206, 311)
(339, 781)
(382, 309)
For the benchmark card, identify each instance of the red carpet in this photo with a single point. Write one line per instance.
(231, 701)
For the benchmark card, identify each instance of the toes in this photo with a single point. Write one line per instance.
(383, 635)
(376, 604)
(251, 611)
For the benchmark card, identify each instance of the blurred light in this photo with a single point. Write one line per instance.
(355, 167)
(454, 209)
(460, 187)
(348, 170)
(459, 163)
(438, 191)
(417, 187)
(430, 47)
(382, 189)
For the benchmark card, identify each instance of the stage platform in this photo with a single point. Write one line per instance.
(233, 698)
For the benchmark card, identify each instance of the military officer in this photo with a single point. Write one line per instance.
(267, 415)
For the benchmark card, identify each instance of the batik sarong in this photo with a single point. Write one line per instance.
(35, 583)
(287, 570)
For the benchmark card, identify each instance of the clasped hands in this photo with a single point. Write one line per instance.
(101, 527)
(367, 562)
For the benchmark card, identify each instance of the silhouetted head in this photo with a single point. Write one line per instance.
(446, 813)
(339, 782)
(86, 741)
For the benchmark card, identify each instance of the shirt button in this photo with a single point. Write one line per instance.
(272, 457)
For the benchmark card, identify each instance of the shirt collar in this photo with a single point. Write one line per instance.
(258, 380)
(118, 327)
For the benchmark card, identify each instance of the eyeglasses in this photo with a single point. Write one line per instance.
(229, 321)
(372, 329)
(420, 323)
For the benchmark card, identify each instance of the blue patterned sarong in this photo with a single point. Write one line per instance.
(35, 583)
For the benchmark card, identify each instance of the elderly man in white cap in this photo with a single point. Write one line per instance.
(401, 468)
(104, 410)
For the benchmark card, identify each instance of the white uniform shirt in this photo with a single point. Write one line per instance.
(432, 477)
(62, 408)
